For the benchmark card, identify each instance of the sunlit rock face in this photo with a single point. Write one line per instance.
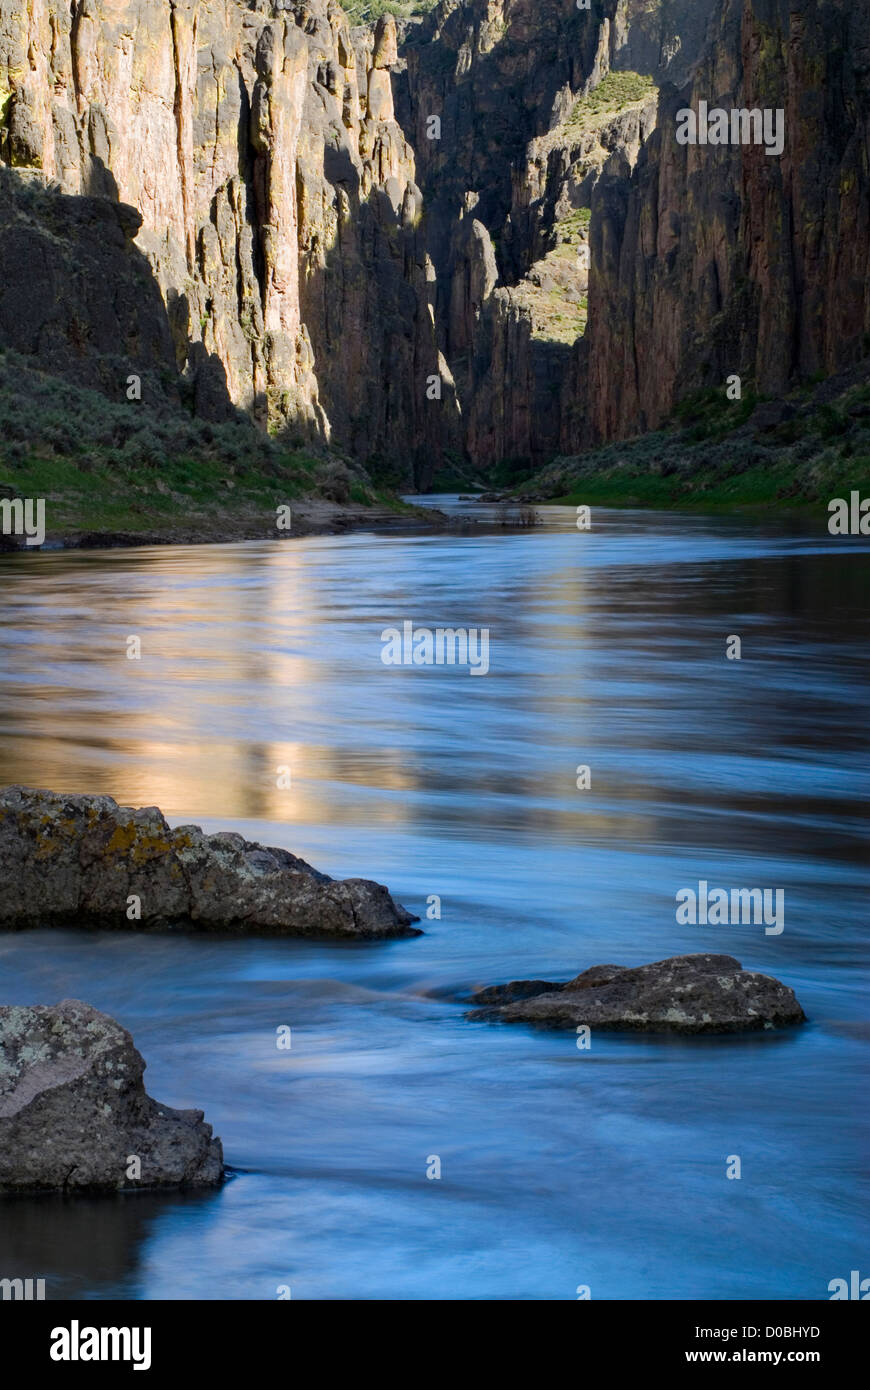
(508, 187)
(277, 193)
(472, 236)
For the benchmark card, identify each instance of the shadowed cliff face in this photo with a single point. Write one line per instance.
(508, 184)
(712, 260)
(696, 262)
(76, 294)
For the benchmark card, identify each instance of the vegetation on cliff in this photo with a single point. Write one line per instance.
(716, 454)
(367, 11)
(616, 92)
(112, 466)
(311, 253)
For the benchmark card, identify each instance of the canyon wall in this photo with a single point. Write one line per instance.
(280, 213)
(711, 260)
(471, 240)
(507, 177)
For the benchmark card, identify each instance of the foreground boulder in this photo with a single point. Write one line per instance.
(685, 994)
(74, 1113)
(84, 860)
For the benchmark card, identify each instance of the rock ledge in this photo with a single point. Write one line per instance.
(84, 860)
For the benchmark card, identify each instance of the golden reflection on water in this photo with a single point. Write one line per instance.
(257, 658)
(224, 634)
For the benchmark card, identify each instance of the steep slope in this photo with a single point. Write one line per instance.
(515, 107)
(279, 210)
(713, 260)
(472, 237)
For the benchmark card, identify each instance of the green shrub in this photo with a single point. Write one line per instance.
(368, 11)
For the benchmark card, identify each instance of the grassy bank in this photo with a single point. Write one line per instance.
(108, 467)
(717, 455)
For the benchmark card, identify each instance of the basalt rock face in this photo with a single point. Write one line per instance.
(513, 165)
(685, 994)
(280, 213)
(78, 297)
(85, 861)
(700, 261)
(712, 260)
(74, 1112)
(380, 238)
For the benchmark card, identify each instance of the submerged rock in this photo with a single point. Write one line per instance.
(84, 860)
(684, 994)
(74, 1113)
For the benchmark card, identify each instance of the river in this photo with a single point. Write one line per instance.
(560, 1168)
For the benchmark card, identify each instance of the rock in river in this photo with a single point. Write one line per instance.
(74, 1113)
(685, 994)
(84, 860)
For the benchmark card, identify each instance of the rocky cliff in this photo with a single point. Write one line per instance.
(515, 107)
(713, 260)
(279, 210)
(471, 237)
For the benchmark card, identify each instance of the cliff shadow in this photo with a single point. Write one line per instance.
(80, 301)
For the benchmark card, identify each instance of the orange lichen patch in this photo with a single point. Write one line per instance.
(47, 847)
(123, 838)
(129, 839)
(149, 847)
(69, 826)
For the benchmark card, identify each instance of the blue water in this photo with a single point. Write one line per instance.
(559, 1168)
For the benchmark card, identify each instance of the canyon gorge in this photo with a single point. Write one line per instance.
(463, 240)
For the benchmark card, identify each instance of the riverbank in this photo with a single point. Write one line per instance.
(224, 520)
(114, 473)
(716, 455)
(118, 473)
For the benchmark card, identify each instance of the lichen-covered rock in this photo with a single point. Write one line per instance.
(84, 860)
(684, 994)
(74, 1113)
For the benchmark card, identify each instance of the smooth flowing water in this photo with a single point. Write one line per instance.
(559, 1167)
